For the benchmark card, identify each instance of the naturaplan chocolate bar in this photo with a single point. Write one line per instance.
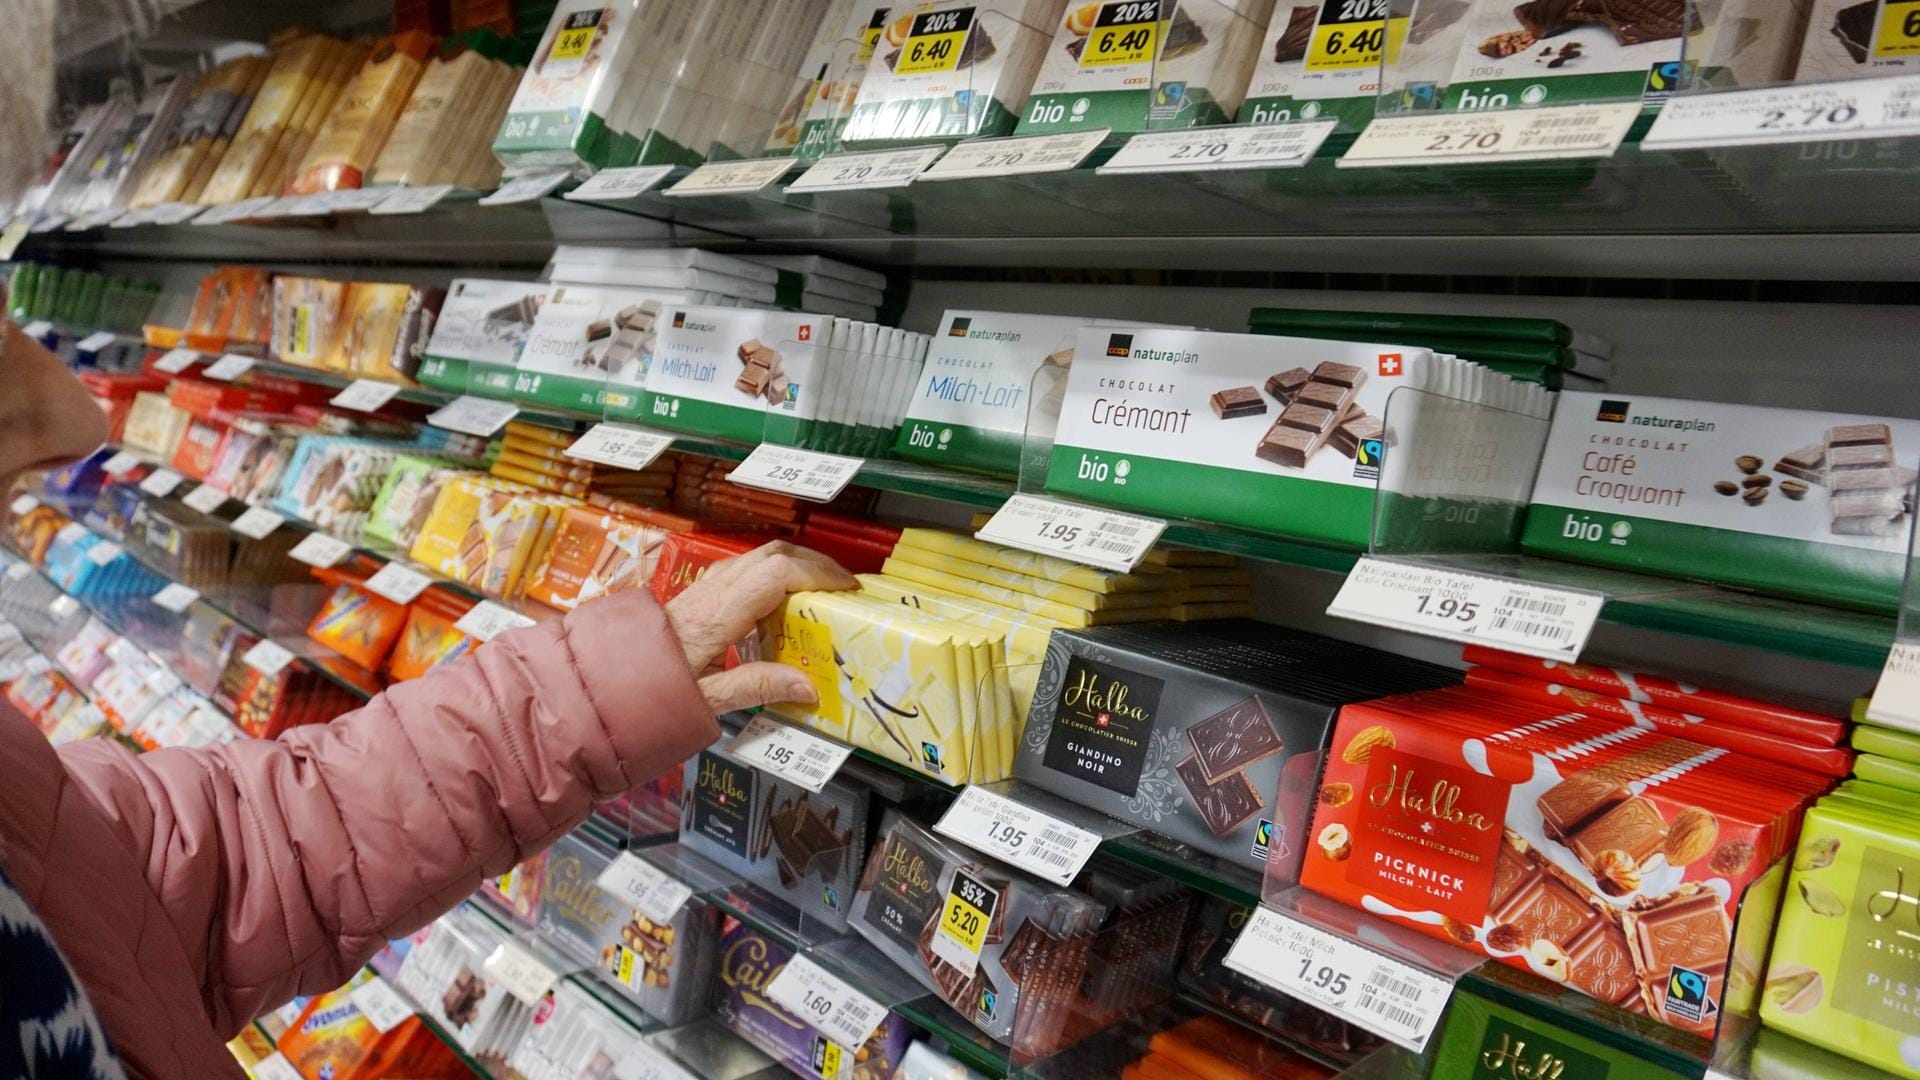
(572, 355)
(951, 70)
(969, 407)
(478, 333)
(712, 366)
(1613, 860)
(1720, 492)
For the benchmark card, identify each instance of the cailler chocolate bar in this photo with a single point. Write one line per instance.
(1604, 857)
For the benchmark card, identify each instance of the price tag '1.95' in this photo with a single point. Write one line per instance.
(487, 620)
(1896, 700)
(804, 473)
(648, 888)
(1393, 1000)
(365, 395)
(964, 921)
(520, 972)
(1818, 112)
(1548, 134)
(381, 1004)
(796, 756)
(400, 584)
(319, 549)
(1242, 146)
(1085, 534)
(471, 415)
(1018, 834)
(826, 1002)
(1552, 624)
(620, 447)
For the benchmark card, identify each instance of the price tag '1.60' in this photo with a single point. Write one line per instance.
(794, 755)
(826, 1002)
(1018, 834)
(1552, 624)
(1084, 534)
(1393, 1000)
(807, 474)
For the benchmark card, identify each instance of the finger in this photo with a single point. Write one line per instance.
(750, 686)
(718, 610)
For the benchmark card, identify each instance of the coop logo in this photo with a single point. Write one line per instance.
(679, 320)
(1613, 412)
(1367, 454)
(1687, 995)
(959, 328)
(1391, 364)
(1120, 345)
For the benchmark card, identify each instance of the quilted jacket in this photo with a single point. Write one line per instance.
(195, 890)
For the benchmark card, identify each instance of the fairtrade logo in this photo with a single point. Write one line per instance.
(959, 327)
(930, 757)
(1664, 77)
(1262, 838)
(1370, 451)
(989, 1001)
(1120, 345)
(1390, 364)
(1613, 412)
(1687, 994)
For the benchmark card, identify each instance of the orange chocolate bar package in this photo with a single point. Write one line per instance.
(332, 1038)
(354, 622)
(594, 553)
(430, 638)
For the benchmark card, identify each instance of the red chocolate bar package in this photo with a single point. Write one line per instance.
(1595, 853)
(686, 556)
(1679, 697)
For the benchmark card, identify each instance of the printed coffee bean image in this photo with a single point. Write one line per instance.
(1757, 481)
(1794, 489)
(1755, 496)
(1726, 487)
(1748, 463)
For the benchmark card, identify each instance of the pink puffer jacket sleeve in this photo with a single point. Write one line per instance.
(284, 865)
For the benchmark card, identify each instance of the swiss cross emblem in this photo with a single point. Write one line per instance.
(806, 332)
(1389, 364)
(1103, 719)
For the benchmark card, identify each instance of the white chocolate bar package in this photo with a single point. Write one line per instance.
(481, 326)
(1137, 65)
(583, 339)
(734, 373)
(1786, 501)
(951, 70)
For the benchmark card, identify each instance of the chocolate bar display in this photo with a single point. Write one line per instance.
(1207, 733)
(1798, 503)
(588, 344)
(749, 960)
(1151, 68)
(1842, 42)
(803, 848)
(1339, 84)
(735, 373)
(974, 84)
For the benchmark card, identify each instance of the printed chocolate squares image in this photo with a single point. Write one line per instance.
(1237, 402)
(760, 371)
(1313, 411)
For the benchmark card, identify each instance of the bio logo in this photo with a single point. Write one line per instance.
(1587, 530)
(1094, 469)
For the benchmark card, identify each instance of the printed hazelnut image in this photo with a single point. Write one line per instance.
(1549, 959)
(1335, 842)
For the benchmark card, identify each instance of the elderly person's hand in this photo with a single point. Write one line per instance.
(726, 604)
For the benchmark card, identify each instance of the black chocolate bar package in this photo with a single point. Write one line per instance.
(803, 848)
(1206, 733)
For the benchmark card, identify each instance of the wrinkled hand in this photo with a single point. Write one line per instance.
(728, 602)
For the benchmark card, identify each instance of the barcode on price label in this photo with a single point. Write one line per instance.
(872, 170)
(1896, 698)
(321, 550)
(826, 1002)
(651, 890)
(620, 447)
(804, 473)
(1084, 534)
(799, 757)
(383, 1007)
(1394, 1000)
(400, 584)
(1018, 834)
(1550, 623)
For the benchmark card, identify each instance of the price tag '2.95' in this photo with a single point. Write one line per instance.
(826, 1002)
(807, 474)
(1896, 700)
(1552, 624)
(1018, 834)
(1393, 1000)
(796, 756)
(1084, 534)
(620, 447)
(651, 890)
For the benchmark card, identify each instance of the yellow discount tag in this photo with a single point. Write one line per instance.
(1898, 34)
(826, 1058)
(576, 36)
(935, 42)
(627, 967)
(871, 36)
(1123, 33)
(1354, 34)
(969, 912)
(505, 881)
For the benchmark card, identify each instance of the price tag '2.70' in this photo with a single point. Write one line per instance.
(1084, 534)
(1552, 624)
(1547, 134)
(868, 171)
(1393, 1000)
(1817, 112)
(1009, 157)
(1018, 834)
(826, 1002)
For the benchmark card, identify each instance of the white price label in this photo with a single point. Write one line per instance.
(23, 505)
(357, 200)
(826, 1002)
(257, 523)
(381, 1004)
(1007, 157)
(732, 177)
(794, 755)
(267, 657)
(103, 553)
(649, 889)
(314, 205)
(133, 217)
(160, 483)
(520, 972)
(1819, 112)
(206, 498)
(1396, 1001)
(1549, 134)
(474, 415)
(620, 447)
(275, 1066)
(1018, 834)
(50, 223)
(1896, 699)
(867, 171)
(70, 533)
(613, 185)
(176, 361)
(366, 395)
(319, 549)
(61, 607)
(1242, 146)
(412, 200)
(527, 188)
(176, 597)
(235, 211)
(39, 328)
(16, 571)
(120, 464)
(96, 341)
(175, 213)
(487, 620)
(398, 583)
(1550, 623)
(1085, 534)
(229, 367)
(643, 1062)
(806, 473)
